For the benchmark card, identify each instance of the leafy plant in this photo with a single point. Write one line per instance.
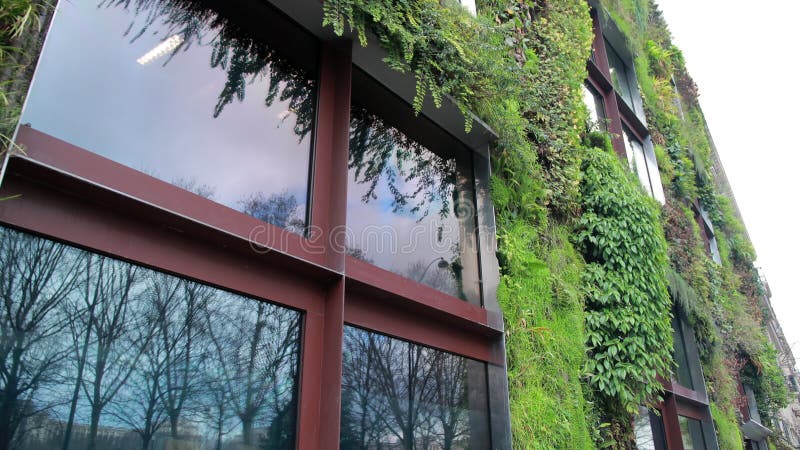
(628, 309)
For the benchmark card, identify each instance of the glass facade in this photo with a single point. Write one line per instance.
(410, 209)
(648, 430)
(397, 394)
(100, 353)
(184, 94)
(117, 332)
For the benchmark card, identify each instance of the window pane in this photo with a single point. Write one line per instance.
(637, 161)
(397, 394)
(410, 210)
(594, 103)
(620, 75)
(98, 353)
(642, 430)
(684, 372)
(185, 95)
(692, 434)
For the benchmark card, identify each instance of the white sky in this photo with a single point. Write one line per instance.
(744, 58)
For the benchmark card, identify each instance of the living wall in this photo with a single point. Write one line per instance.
(586, 257)
(722, 301)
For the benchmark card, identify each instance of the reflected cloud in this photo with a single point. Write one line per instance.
(214, 111)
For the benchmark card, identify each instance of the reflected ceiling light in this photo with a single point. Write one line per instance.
(170, 44)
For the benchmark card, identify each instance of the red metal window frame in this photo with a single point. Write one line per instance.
(73, 195)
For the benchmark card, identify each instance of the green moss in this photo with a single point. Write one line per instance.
(542, 302)
(728, 433)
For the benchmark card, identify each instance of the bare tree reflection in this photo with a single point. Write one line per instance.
(35, 277)
(99, 353)
(282, 210)
(120, 335)
(256, 347)
(402, 395)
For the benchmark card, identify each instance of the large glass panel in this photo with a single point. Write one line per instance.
(620, 75)
(692, 434)
(684, 372)
(97, 353)
(642, 430)
(401, 395)
(594, 103)
(637, 161)
(410, 209)
(183, 93)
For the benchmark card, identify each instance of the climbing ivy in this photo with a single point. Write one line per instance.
(726, 315)
(628, 308)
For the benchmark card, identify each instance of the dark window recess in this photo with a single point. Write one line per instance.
(410, 195)
(692, 434)
(683, 371)
(397, 394)
(98, 353)
(187, 94)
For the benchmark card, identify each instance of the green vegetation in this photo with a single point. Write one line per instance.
(20, 23)
(727, 429)
(586, 257)
(725, 308)
(628, 308)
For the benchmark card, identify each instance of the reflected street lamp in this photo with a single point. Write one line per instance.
(443, 264)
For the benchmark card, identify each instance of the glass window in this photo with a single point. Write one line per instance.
(621, 76)
(397, 394)
(637, 160)
(684, 372)
(97, 353)
(692, 434)
(594, 103)
(648, 430)
(187, 95)
(411, 206)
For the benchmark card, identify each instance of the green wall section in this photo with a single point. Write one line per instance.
(584, 253)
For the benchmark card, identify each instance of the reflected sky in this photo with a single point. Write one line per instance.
(97, 353)
(158, 117)
(410, 210)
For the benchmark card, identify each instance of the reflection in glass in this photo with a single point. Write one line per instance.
(621, 76)
(401, 395)
(683, 372)
(410, 210)
(692, 434)
(637, 161)
(184, 94)
(647, 430)
(594, 103)
(96, 353)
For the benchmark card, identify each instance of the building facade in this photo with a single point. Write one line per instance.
(225, 227)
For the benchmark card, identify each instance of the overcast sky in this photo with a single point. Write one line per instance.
(744, 58)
